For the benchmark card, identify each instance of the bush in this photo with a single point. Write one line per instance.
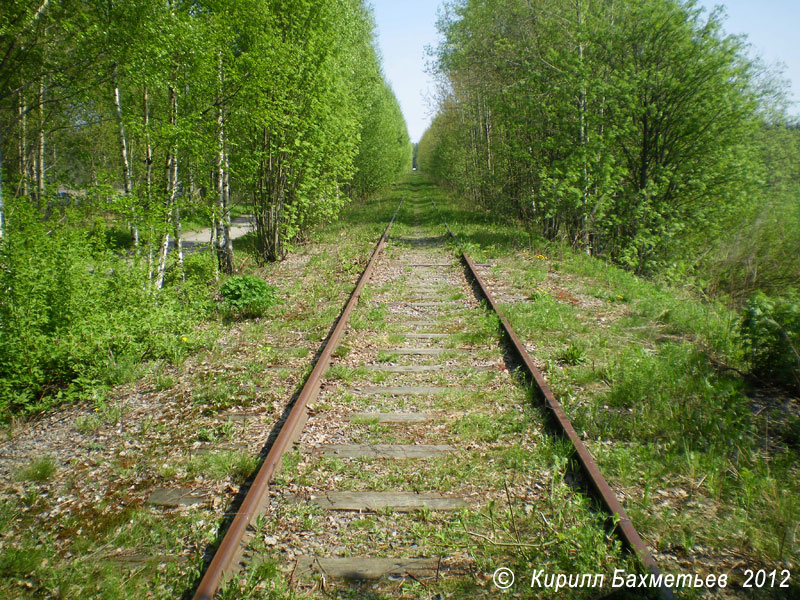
(771, 329)
(75, 316)
(248, 295)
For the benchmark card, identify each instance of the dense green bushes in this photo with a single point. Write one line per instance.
(771, 329)
(761, 246)
(627, 129)
(75, 316)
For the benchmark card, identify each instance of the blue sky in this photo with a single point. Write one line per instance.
(406, 27)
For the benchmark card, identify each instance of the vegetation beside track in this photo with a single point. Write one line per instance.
(634, 131)
(74, 520)
(652, 376)
(118, 120)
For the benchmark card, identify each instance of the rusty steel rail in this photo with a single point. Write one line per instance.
(256, 496)
(624, 527)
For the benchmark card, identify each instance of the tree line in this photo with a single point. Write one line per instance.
(633, 130)
(123, 120)
(190, 105)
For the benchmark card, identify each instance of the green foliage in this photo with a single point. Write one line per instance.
(313, 111)
(771, 328)
(75, 316)
(760, 248)
(40, 470)
(385, 150)
(248, 295)
(628, 129)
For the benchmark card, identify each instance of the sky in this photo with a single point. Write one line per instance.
(405, 27)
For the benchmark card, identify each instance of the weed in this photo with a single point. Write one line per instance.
(39, 470)
(248, 296)
(214, 397)
(227, 463)
(87, 424)
(385, 357)
(163, 382)
(342, 351)
(573, 355)
(205, 434)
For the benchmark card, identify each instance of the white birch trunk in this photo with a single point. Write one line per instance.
(123, 146)
(227, 191)
(40, 147)
(162, 261)
(22, 146)
(172, 213)
(148, 152)
(223, 237)
(148, 179)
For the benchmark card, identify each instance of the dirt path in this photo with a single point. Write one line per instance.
(240, 226)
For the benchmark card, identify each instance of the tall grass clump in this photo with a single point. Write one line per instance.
(676, 394)
(74, 314)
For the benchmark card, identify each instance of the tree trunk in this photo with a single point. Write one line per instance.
(227, 190)
(148, 152)
(212, 244)
(22, 146)
(223, 234)
(123, 146)
(171, 212)
(40, 148)
(162, 261)
(176, 230)
(148, 179)
(268, 202)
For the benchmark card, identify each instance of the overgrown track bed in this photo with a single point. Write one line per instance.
(423, 466)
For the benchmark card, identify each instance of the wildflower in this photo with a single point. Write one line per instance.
(184, 339)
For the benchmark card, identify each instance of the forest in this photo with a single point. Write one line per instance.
(124, 122)
(638, 132)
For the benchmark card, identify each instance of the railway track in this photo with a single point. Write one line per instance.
(412, 459)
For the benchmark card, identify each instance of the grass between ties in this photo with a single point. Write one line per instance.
(523, 510)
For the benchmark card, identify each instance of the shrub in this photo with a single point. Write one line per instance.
(771, 330)
(75, 316)
(248, 295)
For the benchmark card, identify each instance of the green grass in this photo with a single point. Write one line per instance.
(222, 464)
(39, 470)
